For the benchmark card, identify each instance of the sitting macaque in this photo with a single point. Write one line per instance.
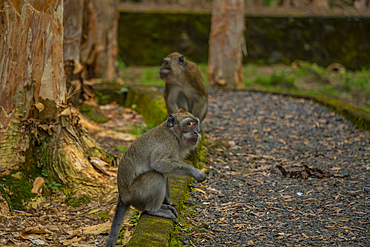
(184, 86)
(143, 171)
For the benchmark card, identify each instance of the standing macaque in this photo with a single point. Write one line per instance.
(145, 167)
(184, 86)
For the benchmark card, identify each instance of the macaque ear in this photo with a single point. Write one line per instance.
(181, 60)
(171, 121)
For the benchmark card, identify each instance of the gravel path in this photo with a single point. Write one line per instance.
(247, 201)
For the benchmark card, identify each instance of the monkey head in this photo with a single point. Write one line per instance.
(172, 70)
(185, 127)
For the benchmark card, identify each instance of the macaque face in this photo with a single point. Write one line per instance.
(172, 67)
(190, 131)
(186, 127)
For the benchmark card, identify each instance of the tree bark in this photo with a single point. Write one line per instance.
(72, 19)
(321, 4)
(90, 45)
(285, 3)
(361, 4)
(39, 133)
(99, 47)
(225, 44)
(298, 3)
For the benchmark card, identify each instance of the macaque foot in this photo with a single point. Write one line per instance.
(165, 213)
(168, 202)
(169, 207)
(171, 204)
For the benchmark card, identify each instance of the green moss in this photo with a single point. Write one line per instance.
(184, 212)
(151, 231)
(121, 148)
(20, 189)
(278, 78)
(93, 113)
(150, 104)
(77, 201)
(145, 38)
(358, 117)
(202, 149)
(175, 238)
(106, 93)
(104, 215)
(20, 184)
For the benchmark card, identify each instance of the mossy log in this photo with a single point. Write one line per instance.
(149, 104)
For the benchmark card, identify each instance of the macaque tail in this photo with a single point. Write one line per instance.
(117, 222)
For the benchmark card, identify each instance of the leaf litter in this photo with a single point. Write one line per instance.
(49, 221)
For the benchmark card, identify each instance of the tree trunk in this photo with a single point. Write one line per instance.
(257, 3)
(298, 3)
(225, 44)
(321, 4)
(74, 70)
(361, 4)
(39, 133)
(285, 3)
(99, 47)
(96, 57)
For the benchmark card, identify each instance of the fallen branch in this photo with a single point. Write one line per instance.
(308, 172)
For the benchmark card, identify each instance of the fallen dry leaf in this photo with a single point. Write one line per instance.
(250, 242)
(37, 201)
(4, 207)
(202, 191)
(38, 184)
(97, 229)
(99, 131)
(127, 236)
(102, 166)
(26, 233)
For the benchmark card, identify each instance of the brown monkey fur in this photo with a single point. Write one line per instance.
(184, 86)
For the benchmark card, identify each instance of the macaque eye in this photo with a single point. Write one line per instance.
(181, 60)
(192, 123)
(165, 61)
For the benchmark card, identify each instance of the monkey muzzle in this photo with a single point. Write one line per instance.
(193, 141)
(166, 68)
(163, 72)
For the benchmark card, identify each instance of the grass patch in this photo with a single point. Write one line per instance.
(138, 130)
(150, 75)
(104, 215)
(121, 148)
(142, 75)
(93, 113)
